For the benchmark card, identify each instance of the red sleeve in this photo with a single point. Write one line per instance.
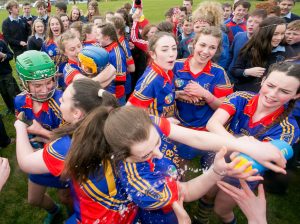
(172, 185)
(53, 160)
(130, 61)
(139, 43)
(221, 91)
(228, 108)
(138, 102)
(70, 74)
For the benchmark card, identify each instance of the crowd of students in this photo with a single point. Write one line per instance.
(115, 109)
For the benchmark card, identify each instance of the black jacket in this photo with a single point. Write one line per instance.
(251, 83)
(5, 67)
(14, 32)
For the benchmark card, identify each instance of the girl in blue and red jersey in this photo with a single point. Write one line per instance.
(89, 35)
(200, 84)
(119, 24)
(70, 46)
(145, 159)
(108, 39)
(265, 116)
(98, 196)
(155, 90)
(39, 103)
(55, 29)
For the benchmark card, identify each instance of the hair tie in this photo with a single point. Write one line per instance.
(100, 92)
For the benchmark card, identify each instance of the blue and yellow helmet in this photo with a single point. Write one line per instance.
(93, 59)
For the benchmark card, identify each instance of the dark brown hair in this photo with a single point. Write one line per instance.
(89, 150)
(86, 98)
(124, 127)
(259, 46)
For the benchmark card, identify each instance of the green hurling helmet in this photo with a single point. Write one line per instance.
(34, 66)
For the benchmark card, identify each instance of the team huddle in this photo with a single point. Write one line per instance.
(115, 110)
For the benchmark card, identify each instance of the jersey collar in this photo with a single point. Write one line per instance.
(29, 105)
(111, 46)
(73, 62)
(121, 38)
(250, 109)
(168, 76)
(90, 42)
(187, 67)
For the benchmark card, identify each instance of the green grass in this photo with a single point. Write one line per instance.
(13, 198)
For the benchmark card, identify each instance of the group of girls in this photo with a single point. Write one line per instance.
(130, 168)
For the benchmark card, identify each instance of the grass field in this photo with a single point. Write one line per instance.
(13, 198)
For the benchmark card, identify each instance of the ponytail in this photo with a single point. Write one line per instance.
(89, 151)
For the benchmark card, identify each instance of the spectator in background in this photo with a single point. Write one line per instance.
(60, 7)
(292, 35)
(285, 10)
(75, 15)
(36, 40)
(27, 17)
(14, 29)
(98, 20)
(108, 16)
(186, 38)
(237, 23)
(263, 49)
(227, 8)
(127, 6)
(93, 10)
(8, 85)
(65, 20)
(239, 41)
(211, 14)
(189, 5)
(270, 6)
(41, 8)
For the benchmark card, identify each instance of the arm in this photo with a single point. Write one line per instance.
(6, 52)
(139, 43)
(4, 171)
(28, 160)
(254, 207)
(265, 153)
(106, 76)
(217, 121)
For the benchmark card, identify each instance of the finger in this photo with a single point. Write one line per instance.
(254, 178)
(261, 191)
(228, 190)
(275, 167)
(222, 152)
(246, 188)
(233, 155)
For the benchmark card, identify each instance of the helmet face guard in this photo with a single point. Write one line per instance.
(93, 60)
(33, 66)
(42, 96)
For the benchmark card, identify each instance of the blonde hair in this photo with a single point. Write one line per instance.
(33, 32)
(295, 25)
(211, 12)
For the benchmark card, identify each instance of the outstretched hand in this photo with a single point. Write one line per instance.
(254, 207)
(265, 153)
